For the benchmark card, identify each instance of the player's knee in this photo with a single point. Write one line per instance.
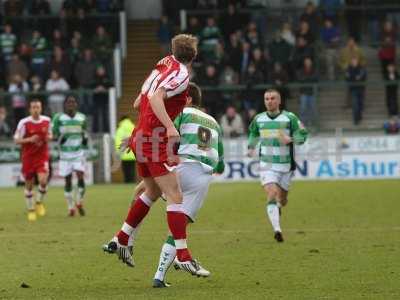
(68, 183)
(81, 182)
(175, 196)
(283, 201)
(272, 194)
(153, 195)
(80, 175)
(43, 182)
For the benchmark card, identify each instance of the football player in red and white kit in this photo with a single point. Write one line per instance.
(162, 98)
(33, 134)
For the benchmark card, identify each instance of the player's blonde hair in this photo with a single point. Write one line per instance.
(184, 47)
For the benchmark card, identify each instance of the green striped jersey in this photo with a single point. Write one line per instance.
(201, 139)
(70, 131)
(265, 131)
(7, 43)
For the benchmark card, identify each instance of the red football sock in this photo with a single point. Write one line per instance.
(136, 214)
(177, 225)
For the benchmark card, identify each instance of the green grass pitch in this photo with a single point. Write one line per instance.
(342, 242)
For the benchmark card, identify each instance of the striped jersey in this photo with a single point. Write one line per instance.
(70, 132)
(265, 130)
(201, 139)
(7, 43)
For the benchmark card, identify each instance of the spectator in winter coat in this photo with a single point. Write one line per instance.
(356, 76)
(232, 123)
(387, 53)
(56, 85)
(330, 36)
(350, 51)
(391, 77)
(308, 109)
(16, 67)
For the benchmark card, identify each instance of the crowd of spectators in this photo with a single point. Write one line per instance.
(316, 44)
(68, 50)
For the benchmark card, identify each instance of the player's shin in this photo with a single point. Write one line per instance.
(136, 214)
(30, 205)
(81, 191)
(273, 215)
(69, 198)
(177, 223)
(167, 255)
(42, 189)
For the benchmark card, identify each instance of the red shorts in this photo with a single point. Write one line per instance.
(31, 168)
(153, 169)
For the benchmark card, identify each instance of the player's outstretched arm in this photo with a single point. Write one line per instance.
(158, 107)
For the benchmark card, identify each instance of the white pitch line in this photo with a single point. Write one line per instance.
(205, 232)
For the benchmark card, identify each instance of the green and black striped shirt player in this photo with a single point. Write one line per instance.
(276, 133)
(200, 139)
(201, 154)
(70, 131)
(265, 131)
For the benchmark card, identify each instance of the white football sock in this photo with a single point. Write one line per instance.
(29, 200)
(273, 215)
(41, 193)
(70, 200)
(167, 256)
(133, 235)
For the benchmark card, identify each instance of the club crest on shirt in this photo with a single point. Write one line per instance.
(204, 135)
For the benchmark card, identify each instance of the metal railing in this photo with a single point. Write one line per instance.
(86, 98)
(295, 92)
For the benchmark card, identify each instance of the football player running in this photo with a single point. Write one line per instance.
(33, 134)
(69, 128)
(276, 132)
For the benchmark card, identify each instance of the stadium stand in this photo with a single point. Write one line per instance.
(328, 33)
(49, 53)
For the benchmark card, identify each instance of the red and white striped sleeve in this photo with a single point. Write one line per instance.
(21, 129)
(176, 83)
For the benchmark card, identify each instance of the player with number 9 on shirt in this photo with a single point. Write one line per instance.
(163, 96)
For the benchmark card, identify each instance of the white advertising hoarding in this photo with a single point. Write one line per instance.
(363, 166)
(10, 173)
(325, 158)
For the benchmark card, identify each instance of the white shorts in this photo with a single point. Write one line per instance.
(283, 179)
(67, 167)
(194, 182)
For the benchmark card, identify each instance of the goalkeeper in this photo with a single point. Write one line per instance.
(69, 128)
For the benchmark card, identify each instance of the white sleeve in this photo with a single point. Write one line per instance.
(65, 85)
(49, 86)
(20, 131)
(50, 129)
(176, 84)
(25, 87)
